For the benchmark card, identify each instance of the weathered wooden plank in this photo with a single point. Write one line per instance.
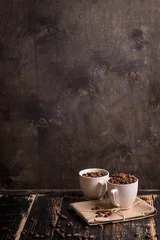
(43, 217)
(156, 198)
(140, 229)
(14, 211)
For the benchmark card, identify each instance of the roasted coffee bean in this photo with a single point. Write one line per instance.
(62, 230)
(95, 208)
(57, 230)
(42, 236)
(52, 225)
(85, 227)
(33, 220)
(91, 237)
(62, 235)
(122, 178)
(76, 235)
(4, 228)
(31, 233)
(64, 217)
(68, 235)
(47, 235)
(94, 174)
(36, 235)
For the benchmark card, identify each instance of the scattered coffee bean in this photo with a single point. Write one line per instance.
(85, 227)
(36, 235)
(31, 233)
(57, 230)
(42, 236)
(64, 217)
(4, 228)
(94, 174)
(69, 224)
(68, 235)
(47, 235)
(62, 235)
(33, 220)
(95, 208)
(122, 178)
(62, 230)
(52, 225)
(91, 237)
(76, 235)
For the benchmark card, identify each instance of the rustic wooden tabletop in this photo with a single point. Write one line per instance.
(34, 214)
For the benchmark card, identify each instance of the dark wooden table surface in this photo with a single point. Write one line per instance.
(35, 214)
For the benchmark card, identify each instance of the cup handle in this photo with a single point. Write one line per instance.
(102, 188)
(114, 192)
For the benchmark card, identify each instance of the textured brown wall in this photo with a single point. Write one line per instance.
(80, 87)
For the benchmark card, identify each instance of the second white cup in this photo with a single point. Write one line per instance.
(93, 188)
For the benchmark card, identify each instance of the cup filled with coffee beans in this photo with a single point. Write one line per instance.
(93, 182)
(122, 189)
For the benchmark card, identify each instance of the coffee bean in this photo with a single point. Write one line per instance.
(94, 174)
(91, 237)
(62, 235)
(31, 233)
(122, 178)
(57, 230)
(47, 235)
(4, 228)
(64, 217)
(68, 235)
(33, 220)
(36, 235)
(42, 236)
(86, 227)
(52, 225)
(76, 234)
(23, 233)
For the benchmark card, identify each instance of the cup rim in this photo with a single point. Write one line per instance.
(121, 185)
(93, 170)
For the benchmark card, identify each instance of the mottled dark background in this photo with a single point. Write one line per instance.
(80, 87)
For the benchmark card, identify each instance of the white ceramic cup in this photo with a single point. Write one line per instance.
(122, 195)
(93, 188)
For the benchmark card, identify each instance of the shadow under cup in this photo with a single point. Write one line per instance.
(93, 188)
(122, 195)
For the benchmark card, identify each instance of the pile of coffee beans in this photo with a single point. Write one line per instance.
(122, 178)
(94, 174)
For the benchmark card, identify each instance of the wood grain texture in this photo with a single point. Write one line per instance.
(43, 217)
(14, 211)
(79, 88)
